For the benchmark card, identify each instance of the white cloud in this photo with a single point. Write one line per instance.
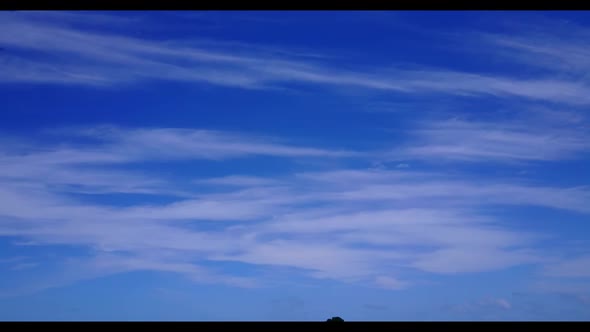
(508, 141)
(104, 264)
(106, 59)
(16, 259)
(177, 143)
(478, 259)
(503, 303)
(548, 46)
(390, 283)
(353, 225)
(239, 181)
(345, 224)
(24, 266)
(486, 304)
(408, 189)
(70, 167)
(571, 267)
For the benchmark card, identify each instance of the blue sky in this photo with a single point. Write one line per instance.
(294, 165)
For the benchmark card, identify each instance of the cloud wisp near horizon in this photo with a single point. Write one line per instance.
(482, 172)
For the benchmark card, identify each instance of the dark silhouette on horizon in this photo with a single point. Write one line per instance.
(335, 319)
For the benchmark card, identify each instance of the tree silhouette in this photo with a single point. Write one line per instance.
(335, 319)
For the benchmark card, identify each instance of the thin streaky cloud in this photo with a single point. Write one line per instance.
(571, 267)
(496, 142)
(120, 158)
(551, 45)
(117, 145)
(239, 181)
(345, 213)
(109, 59)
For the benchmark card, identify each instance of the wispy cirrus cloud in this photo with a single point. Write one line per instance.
(551, 46)
(572, 267)
(381, 227)
(24, 266)
(409, 189)
(125, 145)
(240, 181)
(492, 308)
(76, 167)
(35, 55)
(390, 283)
(356, 225)
(507, 141)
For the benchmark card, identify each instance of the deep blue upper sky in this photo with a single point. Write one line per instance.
(294, 165)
